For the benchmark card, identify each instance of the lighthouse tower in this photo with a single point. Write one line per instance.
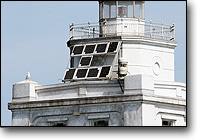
(120, 73)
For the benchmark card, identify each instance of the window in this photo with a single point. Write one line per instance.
(100, 122)
(59, 124)
(168, 122)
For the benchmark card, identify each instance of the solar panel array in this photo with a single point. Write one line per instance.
(92, 61)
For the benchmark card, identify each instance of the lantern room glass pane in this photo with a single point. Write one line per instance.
(109, 9)
(113, 10)
(139, 9)
(106, 10)
(125, 9)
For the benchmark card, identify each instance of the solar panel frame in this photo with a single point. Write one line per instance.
(77, 72)
(76, 47)
(91, 77)
(69, 71)
(108, 73)
(90, 45)
(98, 44)
(110, 46)
(80, 65)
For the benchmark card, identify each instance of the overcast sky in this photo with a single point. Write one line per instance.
(34, 35)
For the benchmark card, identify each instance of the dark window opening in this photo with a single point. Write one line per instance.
(167, 123)
(59, 125)
(101, 123)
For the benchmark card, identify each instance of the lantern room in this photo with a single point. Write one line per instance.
(121, 9)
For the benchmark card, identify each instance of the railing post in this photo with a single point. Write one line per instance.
(71, 31)
(162, 30)
(100, 28)
(172, 32)
(154, 32)
(150, 28)
(139, 27)
(104, 33)
(93, 30)
(89, 29)
(121, 28)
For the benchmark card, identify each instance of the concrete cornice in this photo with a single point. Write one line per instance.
(140, 39)
(78, 84)
(109, 99)
(166, 83)
(153, 41)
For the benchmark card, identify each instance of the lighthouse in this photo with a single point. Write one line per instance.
(120, 73)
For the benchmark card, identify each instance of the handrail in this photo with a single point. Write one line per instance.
(140, 28)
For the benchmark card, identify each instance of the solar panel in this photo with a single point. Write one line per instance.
(105, 71)
(69, 74)
(85, 61)
(92, 61)
(101, 48)
(93, 72)
(89, 49)
(112, 46)
(81, 73)
(78, 49)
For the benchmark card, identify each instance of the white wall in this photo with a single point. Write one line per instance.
(141, 59)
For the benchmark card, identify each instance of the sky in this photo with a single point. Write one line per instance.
(34, 36)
